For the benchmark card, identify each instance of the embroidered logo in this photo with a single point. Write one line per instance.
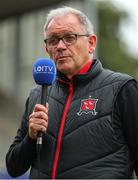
(88, 106)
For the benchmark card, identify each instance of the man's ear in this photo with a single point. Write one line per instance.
(92, 43)
(46, 49)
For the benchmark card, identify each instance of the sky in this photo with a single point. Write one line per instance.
(129, 28)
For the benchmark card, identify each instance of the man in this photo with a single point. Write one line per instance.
(90, 124)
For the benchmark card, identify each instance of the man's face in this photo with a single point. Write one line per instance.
(69, 59)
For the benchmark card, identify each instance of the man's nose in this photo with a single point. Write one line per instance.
(61, 44)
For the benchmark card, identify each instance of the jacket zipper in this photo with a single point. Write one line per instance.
(61, 129)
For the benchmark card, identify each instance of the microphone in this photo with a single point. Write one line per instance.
(44, 74)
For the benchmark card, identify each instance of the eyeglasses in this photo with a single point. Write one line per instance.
(67, 39)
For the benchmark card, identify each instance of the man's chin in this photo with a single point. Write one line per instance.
(64, 70)
(63, 67)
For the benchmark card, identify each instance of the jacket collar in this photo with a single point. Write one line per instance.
(87, 73)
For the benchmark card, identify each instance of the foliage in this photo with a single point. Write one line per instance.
(111, 49)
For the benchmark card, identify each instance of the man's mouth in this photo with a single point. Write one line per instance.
(60, 58)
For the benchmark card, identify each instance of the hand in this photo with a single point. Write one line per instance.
(38, 120)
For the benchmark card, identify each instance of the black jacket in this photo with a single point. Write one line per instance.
(86, 136)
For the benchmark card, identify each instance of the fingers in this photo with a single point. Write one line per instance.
(38, 124)
(39, 115)
(39, 107)
(38, 120)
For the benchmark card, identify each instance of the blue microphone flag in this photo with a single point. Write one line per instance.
(44, 71)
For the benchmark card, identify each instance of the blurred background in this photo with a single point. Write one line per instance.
(21, 43)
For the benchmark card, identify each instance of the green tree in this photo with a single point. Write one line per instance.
(111, 49)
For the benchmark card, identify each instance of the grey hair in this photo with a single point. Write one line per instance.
(83, 19)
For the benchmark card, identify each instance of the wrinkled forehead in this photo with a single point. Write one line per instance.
(64, 18)
(64, 23)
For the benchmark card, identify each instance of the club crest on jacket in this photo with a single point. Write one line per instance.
(88, 106)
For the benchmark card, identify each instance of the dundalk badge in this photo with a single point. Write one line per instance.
(88, 106)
